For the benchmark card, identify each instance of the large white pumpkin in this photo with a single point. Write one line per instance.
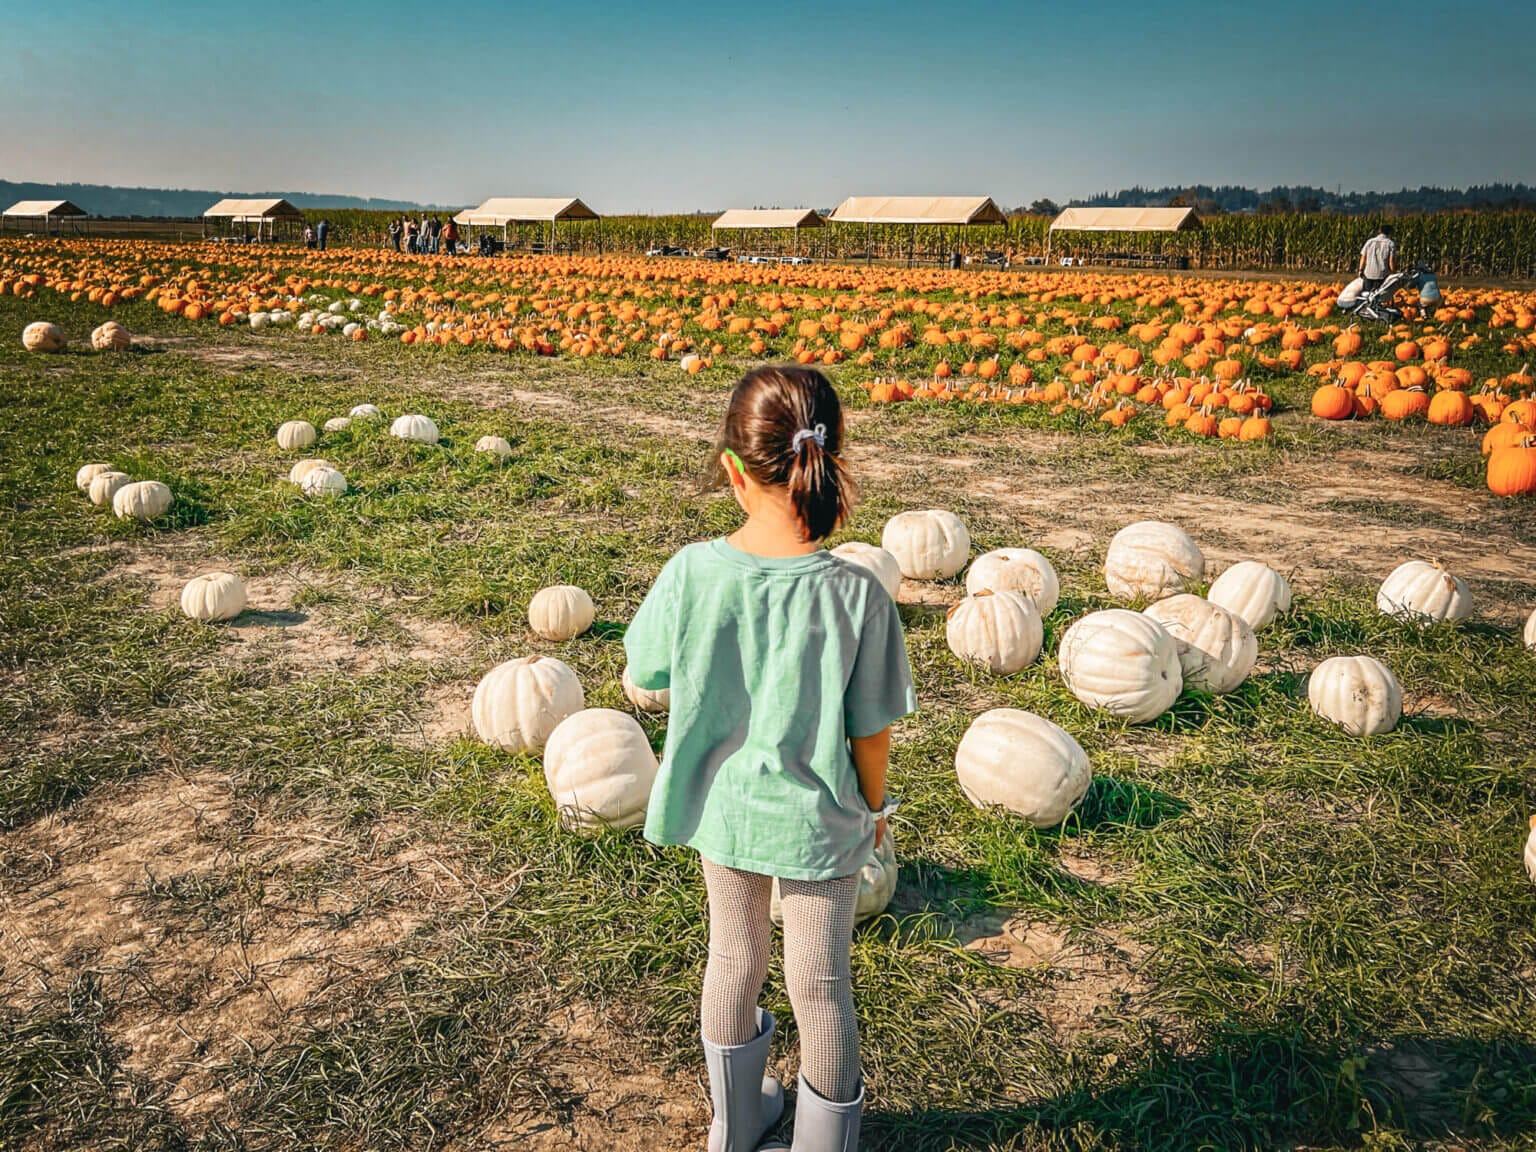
(1255, 591)
(1150, 559)
(496, 445)
(88, 472)
(1530, 852)
(931, 545)
(295, 434)
(323, 482)
(599, 767)
(145, 500)
(259, 321)
(1530, 630)
(1217, 648)
(111, 337)
(42, 336)
(214, 596)
(105, 485)
(304, 467)
(337, 424)
(418, 429)
(644, 699)
(876, 559)
(365, 412)
(1358, 693)
(1016, 570)
(560, 612)
(877, 884)
(519, 703)
(1424, 592)
(1016, 760)
(999, 630)
(1123, 662)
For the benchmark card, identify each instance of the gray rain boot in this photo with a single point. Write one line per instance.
(747, 1103)
(822, 1126)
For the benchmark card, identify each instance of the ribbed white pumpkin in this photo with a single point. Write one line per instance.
(88, 472)
(1217, 648)
(1530, 852)
(338, 424)
(877, 884)
(325, 481)
(145, 500)
(645, 700)
(259, 321)
(560, 612)
(365, 412)
(496, 445)
(1016, 570)
(295, 434)
(1001, 631)
(304, 467)
(1358, 693)
(1150, 559)
(928, 545)
(1255, 591)
(1022, 762)
(419, 429)
(519, 703)
(111, 337)
(876, 559)
(1123, 662)
(104, 486)
(1425, 592)
(214, 596)
(1530, 630)
(42, 336)
(599, 767)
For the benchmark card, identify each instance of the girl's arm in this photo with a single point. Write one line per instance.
(872, 759)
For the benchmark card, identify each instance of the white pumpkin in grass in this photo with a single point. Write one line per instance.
(1123, 662)
(418, 429)
(1530, 630)
(337, 424)
(259, 321)
(323, 482)
(111, 337)
(1150, 559)
(519, 703)
(497, 446)
(105, 485)
(1530, 852)
(88, 472)
(214, 596)
(876, 559)
(365, 412)
(1424, 592)
(1013, 759)
(1358, 693)
(304, 467)
(146, 500)
(645, 699)
(42, 336)
(561, 612)
(599, 767)
(1217, 648)
(295, 434)
(1255, 591)
(877, 884)
(1001, 631)
(1016, 570)
(929, 545)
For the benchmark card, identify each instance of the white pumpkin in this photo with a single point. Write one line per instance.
(295, 434)
(1424, 592)
(1358, 693)
(644, 699)
(259, 321)
(519, 703)
(1123, 662)
(877, 884)
(214, 596)
(145, 500)
(1217, 648)
(999, 630)
(1150, 559)
(323, 482)
(42, 336)
(1016, 570)
(688, 361)
(931, 545)
(304, 467)
(365, 412)
(599, 767)
(560, 612)
(1530, 852)
(1530, 630)
(111, 337)
(104, 486)
(1255, 591)
(495, 445)
(418, 429)
(876, 559)
(88, 472)
(337, 424)
(1016, 760)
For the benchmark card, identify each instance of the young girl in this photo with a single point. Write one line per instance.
(787, 667)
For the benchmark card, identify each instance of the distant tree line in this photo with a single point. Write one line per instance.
(1301, 198)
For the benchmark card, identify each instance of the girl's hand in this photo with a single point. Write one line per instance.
(879, 831)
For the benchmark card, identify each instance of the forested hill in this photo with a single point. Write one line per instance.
(1301, 198)
(104, 200)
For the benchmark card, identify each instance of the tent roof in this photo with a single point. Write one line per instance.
(526, 210)
(1126, 220)
(918, 210)
(44, 208)
(769, 218)
(268, 209)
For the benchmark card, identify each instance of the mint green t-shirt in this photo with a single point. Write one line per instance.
(773, 665)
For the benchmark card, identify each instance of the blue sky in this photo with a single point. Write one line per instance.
(683, 106)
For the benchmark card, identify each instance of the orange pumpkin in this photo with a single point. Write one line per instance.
(1331, 402)
(1512, 470)
(1451, 408)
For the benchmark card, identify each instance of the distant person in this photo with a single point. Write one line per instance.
(322, 230)
(451, 235)
(394, 234)
(1378, 259)
(424, 235)
(309, 236)
(410, 236)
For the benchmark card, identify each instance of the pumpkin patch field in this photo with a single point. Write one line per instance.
(322, 765)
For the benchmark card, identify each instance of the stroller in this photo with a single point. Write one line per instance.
(1377, 304)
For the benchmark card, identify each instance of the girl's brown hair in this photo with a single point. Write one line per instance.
(768, 407)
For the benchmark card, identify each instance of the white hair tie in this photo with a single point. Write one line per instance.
(818, 434)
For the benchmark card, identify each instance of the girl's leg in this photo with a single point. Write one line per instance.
(818, 937)
(738, 953)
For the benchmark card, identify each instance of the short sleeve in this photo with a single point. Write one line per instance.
(648, 639)
(880, 689)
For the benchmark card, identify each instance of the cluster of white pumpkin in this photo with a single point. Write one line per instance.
(106, 487)
(41, 336)
(329, 315)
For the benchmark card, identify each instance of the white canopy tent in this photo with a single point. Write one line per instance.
(1121, 220)
(504, 211)
(914, 212)
(768, 219)
(266, 213)
(52, 214)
